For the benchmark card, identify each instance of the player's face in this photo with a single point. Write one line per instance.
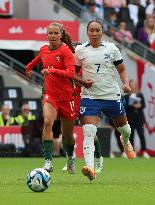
(95, 33)
(54, 35)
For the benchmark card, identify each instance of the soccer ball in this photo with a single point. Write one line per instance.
(38, 180)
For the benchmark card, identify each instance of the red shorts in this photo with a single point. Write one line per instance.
(65, 109)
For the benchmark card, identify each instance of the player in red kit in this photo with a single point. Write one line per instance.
(58, 70)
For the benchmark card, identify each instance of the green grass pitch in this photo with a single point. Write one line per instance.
(123, 182)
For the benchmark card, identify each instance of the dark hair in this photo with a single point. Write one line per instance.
(95, 21)
(66, 38)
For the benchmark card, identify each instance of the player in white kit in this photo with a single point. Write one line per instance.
(99, 60)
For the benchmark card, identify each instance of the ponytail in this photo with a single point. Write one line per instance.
(66, 38)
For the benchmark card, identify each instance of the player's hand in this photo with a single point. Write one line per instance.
(45, 72)
(87, 83)
(126, 88)
(29, 74)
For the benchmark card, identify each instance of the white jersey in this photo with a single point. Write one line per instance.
(99, 64)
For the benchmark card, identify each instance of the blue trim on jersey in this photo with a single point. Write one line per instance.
(94, 107)
(88, 44)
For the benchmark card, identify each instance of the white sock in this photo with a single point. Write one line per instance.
(125, 133)
(89, 131)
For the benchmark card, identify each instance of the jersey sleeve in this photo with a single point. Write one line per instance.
(117, 57)
(69, 63)
(78, 59)
(37, 60)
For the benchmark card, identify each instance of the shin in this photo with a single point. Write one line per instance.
(125, 133)
(89, 131)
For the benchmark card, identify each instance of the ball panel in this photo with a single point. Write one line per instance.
(38, 180)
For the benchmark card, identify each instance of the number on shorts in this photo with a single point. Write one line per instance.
(72, 105)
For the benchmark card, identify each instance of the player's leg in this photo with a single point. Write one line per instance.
(56, 129)
(89, 126)
(123, 127)
(99, 158)
(140, 131)
(90, 111)
(115, 110)
(65, 151)
(68, 116)
(67, 132)
(49, 114)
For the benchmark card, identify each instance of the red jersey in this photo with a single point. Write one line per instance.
(61, 64)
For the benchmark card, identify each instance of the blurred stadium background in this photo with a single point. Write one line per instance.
(23, 25)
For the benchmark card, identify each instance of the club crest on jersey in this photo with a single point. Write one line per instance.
(106, 56)
(58, 58)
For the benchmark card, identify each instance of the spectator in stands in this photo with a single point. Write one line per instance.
(113, 22)
(133, 11)
(150, 8)
(152, 40)
(99, 7)
(141, 17)
(28, 129)
(123, 35)
(145, 32)
(117, 4)
(113, 19)
(5, 118)
(143, 3)
(91, 13)
(134, 104)
(25, 116)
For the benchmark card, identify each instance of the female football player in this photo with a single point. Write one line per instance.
(98, 60)
(58, 70)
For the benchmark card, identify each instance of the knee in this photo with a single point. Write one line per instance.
(47, 123)
(125, 129)
(89, 130)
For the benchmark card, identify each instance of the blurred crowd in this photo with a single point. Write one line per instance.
(127, 19)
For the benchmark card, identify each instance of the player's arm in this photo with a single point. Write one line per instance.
(124, 77)
(118, 62)
(29, 67)
(86, 83)
(69, 63)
